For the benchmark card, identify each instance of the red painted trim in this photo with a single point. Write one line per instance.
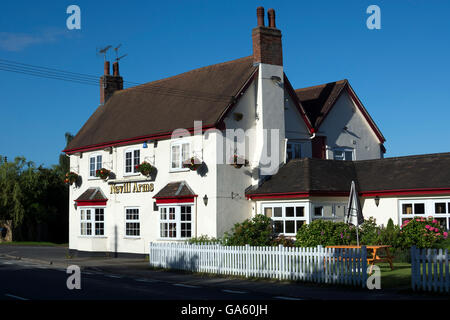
(406, 192)
(237, 96)
(175, 200)
(293, 195)
(298, 104)
(83, 203)
(398, 192)
(366, 115)
(129, 141)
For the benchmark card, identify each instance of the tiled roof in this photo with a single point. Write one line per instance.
(165, 105)
(92, 194)
(318, 100)
(174, 190)
(421, 172)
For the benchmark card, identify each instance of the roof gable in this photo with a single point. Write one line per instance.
(319, 100)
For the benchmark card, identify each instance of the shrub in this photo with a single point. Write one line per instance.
(285, 242)
(325, 233)
(370, 233)
(422, 233)
(255, 232)
(203, 239)
(391, 235)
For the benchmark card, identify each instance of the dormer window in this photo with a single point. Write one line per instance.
(95, 163)
(132, 159)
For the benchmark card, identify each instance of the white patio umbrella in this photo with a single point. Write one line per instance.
(354, 212)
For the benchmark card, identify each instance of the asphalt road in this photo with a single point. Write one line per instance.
(23, 280)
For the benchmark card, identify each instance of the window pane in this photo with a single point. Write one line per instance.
(439, 207)
(289, 226)
(442, 222)
(277, 212)
(299, 224)
(185, 151)
(175, 157)
(340, 210)
(99, 229)
(268, 212)
(92, 167)
(407, 208)
(419, 208)
(349, 155)
(299, 211)
(289, 211)
(136, 160)
(278, 226)
(164, 229)
(128, 162)
(99, 215)
(327, 211)
(172, 230)
(99, 162)
(298, 152)
(318, 211)
(338, 155)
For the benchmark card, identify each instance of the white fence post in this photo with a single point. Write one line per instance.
(322, 265)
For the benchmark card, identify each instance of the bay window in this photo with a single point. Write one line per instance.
(175, 222)
(92, 222)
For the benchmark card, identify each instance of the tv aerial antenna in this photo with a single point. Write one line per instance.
(103, 51)
(116, 49)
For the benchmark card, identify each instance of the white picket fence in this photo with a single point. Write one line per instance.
(321, 265)
(430, 270)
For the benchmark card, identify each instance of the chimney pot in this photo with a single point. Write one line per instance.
(260, 16)
(271, 15)
(106, 68)
(116, 69)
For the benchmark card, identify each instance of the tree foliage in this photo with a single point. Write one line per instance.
(34, 198)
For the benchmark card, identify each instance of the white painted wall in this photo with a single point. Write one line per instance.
(359, 136)
(149, 219)
(296, 129)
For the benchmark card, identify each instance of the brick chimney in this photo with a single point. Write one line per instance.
(109, 84)
(267, 40)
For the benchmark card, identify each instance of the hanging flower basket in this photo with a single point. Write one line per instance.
(145, 168)
(193, 163)
(239, 161)
(102, 173)
(71, 178)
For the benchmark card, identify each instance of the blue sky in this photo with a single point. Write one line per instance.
(399, 72)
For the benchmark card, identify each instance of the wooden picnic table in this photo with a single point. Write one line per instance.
(376, 256)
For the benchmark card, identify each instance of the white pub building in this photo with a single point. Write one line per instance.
(297, 152)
